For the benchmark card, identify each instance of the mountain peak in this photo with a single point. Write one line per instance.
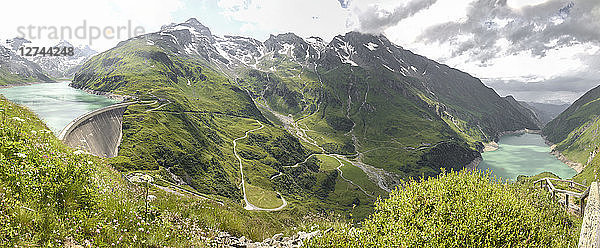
(192, 24)
(64, 43)
(286, 37)
(16, 42)
(195, 23)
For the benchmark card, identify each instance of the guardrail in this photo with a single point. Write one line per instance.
(580, 192)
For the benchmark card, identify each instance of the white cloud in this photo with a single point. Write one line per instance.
(518, 4)
(305, 18)
(526, 67)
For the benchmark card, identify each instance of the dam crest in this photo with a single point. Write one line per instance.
(98, 132)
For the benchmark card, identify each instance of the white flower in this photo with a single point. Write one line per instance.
(20, 155)
(18, 119)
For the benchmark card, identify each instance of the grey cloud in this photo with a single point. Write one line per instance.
(567, 83)
(531, 28)
(374, 19)
(564, 88)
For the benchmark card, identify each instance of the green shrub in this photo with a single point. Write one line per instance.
(460, 209)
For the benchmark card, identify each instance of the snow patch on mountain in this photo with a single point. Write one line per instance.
(371, 46)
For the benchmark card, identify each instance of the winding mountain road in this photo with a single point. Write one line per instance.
(250, 206)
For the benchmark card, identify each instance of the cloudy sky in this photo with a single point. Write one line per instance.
(536, 50)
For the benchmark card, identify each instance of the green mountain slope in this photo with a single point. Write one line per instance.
(525, 109)
(361, 94)
(545, 112)
(576, 132)
(583, 110)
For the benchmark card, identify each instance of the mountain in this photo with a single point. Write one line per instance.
(343, 120)
(65, 66)
(576, 132)
(545, 111)
(363, 91)
(525, 109)
(15, 43)
(16, 69)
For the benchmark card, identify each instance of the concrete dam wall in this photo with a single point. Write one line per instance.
(98, 132)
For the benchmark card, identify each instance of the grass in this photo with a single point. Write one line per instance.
(204, 111)
(328, 163)
(575, 132)
(359, 177)
(589, 173)
(262, 198)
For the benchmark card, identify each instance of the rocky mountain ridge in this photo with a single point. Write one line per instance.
(64, 66)
(16, 69)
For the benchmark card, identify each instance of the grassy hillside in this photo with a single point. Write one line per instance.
(576, 132)
(582, 111)
(383, 122)
(525, 109)
(466, 209)
(7, 78)
(356, 111)
(51, 195)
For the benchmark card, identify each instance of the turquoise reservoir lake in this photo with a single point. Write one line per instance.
(524, 154)
(56, 103)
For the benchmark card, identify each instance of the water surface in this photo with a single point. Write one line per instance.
(56, 103)
(524, 154)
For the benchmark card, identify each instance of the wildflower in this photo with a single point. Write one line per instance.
(18, 119)
(20, 155)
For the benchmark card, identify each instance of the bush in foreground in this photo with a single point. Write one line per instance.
(460, 209)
